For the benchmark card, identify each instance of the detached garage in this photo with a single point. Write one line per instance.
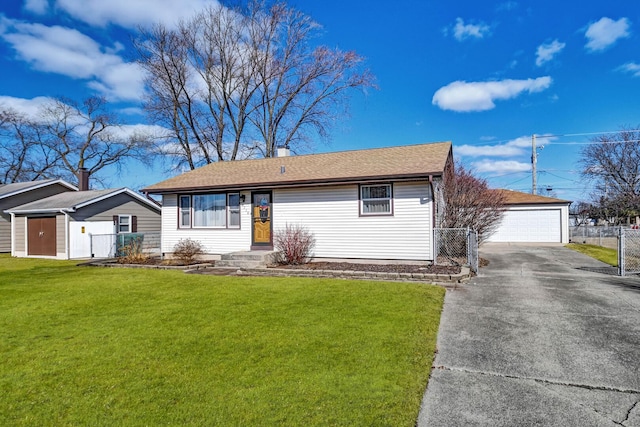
(531, 218)
(60, 226)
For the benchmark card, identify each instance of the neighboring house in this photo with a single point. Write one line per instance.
(19, 193)
(60, 226)
(531, 218)
(369, 204)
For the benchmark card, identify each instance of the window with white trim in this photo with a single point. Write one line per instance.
(185, 212)
(376, 199)
(124, 224)
(233, 210)
(216, 210)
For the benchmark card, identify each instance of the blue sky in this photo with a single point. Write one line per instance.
(484, 75)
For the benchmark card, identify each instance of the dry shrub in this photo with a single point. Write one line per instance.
(132, 253)
(294, 244)
(187, 250)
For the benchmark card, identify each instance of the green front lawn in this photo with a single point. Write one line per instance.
(606, 255)
(95, 346)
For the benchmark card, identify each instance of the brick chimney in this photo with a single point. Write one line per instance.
(83, 179)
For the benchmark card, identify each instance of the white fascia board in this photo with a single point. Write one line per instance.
(30, 211)
(40, 185)
(115, 193)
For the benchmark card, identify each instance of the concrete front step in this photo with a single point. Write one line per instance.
(252, 259)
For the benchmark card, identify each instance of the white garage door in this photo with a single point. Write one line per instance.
(536, 226)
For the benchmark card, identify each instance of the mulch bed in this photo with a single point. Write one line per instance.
(377, 268)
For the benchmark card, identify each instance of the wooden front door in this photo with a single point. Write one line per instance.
(261, 220)
(41, 234)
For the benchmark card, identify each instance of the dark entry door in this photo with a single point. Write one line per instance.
(42, 236)
(262, 220)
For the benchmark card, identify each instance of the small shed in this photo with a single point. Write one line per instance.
(61, 226)
(19, 193)
(531, 218)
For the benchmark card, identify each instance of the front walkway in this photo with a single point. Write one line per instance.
(537, 339)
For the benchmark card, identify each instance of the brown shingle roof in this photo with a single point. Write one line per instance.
(518, 198)
(404, 162)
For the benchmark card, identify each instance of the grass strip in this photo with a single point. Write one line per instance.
(606, 255)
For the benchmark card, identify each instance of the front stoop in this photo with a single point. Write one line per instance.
(246, 259)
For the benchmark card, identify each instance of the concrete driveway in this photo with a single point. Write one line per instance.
(539, 338)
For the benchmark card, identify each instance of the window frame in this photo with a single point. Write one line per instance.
(233, 210)
(362, 199)
(228, 211)
(129, 224)
(182, 209)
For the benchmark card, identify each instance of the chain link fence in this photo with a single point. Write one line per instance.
(605, 236)
(456, 246)
(113, 245)
(628, 251)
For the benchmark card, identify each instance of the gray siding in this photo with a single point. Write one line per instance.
(61, 244)
(21, 199)
(5, 234)
(21, 236)
(122, 204)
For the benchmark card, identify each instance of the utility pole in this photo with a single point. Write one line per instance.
(534, 161)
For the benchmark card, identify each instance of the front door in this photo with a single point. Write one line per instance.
(261, 220)
(41, 236)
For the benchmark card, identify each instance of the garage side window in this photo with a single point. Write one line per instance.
(376, 200)
(125, 223)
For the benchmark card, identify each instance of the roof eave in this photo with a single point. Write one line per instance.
(290, 184)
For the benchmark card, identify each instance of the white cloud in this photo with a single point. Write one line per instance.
(463, 31)
(39, 7)
(546, 52)
(70, 53)
(515, 147)
(132, 13)
(631, 67)
(465, 96)
(605, 32)
(500, 166)
(27, 107)
(488, 150)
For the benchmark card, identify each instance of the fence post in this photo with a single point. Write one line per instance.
(621, 247)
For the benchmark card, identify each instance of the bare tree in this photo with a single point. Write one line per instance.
(469, 202)
(612, 164)
(64, 137)
(22, 156)
(232, 82)
(88, 136)
(581, 212)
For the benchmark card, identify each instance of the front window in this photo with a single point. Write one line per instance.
(185, 211)
(233, 203)
(209, 211)
(375, 199)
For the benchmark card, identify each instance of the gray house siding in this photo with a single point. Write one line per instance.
(5, 235)
(21, 199)
(21, 236)
(122, 204)
(61, 236)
